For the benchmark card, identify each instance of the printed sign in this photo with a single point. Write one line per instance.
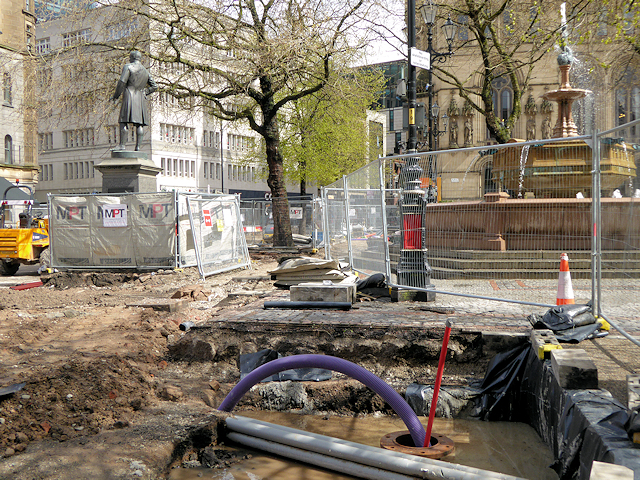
(220, 225)
(114, 215)
(295, 213)
(207, 218)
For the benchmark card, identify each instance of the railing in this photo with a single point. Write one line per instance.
(501, 213)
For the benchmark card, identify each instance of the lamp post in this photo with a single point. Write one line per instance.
(429, 11)
(413, 269)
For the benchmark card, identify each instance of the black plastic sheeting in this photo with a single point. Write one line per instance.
(570, 323)
(251, 361)
(580, 426)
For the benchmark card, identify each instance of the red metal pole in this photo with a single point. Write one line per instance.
(436, 387)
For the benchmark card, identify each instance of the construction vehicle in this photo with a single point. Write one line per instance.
(24, 238)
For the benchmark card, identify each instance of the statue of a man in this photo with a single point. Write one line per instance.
(531, 129)
(468, 133)
(546, 128)
(453, 134)
(134, 85)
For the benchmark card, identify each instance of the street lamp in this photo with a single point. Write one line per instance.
(429, 11)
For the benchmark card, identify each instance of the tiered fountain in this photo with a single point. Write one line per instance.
(562, 169)
(538, 207)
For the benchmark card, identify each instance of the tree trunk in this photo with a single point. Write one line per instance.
(281, 221)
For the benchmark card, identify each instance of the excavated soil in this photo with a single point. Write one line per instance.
(116, 390)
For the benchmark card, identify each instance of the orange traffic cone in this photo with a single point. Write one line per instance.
(565, 290)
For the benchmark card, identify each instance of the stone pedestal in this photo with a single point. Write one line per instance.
(128, 172)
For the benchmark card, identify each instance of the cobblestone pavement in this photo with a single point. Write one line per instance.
(620, 303)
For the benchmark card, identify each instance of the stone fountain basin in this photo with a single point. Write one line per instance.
(561, 169)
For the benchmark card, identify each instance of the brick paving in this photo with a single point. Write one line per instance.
(620, 303)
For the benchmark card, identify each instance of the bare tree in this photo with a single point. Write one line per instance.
(249, 60)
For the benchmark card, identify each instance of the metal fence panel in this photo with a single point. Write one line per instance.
(257, 217)
(617, 255)
(217, 232)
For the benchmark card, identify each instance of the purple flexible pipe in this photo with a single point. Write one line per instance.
(336, 364)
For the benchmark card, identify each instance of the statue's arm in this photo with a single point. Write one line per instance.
(122, 83)
(152, 85)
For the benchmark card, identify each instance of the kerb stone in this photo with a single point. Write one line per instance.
(573, 369)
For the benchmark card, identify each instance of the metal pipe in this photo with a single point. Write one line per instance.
(594, 220)
(324, 461)
(376, 457)
(347, 220)
(385, 233)
(621, 330)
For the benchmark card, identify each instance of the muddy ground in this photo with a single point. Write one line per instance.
(114, 389)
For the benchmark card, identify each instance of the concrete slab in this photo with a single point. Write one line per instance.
(574, 369)
(318, 292)
(608, 471)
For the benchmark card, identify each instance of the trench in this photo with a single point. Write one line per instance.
(403, 358)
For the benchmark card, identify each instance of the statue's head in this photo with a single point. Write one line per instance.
(135, 55)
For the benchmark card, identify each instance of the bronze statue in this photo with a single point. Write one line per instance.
(134, 85)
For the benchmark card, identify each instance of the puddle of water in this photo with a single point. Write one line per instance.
(503, 447)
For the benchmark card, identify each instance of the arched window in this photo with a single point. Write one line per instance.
(8, 149)
(628, 102)
(502, 97)
(6, 88)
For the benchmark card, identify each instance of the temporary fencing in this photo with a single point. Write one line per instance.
(216, 229)
(146, 230)
(257, 218)
(502, 213)
(112, 231)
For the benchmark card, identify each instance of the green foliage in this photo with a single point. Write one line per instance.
(325, 134)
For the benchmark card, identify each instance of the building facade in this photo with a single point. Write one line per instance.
(603, 65)
(18, 124)
(196, 152)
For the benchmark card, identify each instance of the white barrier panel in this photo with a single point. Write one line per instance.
(113, 231)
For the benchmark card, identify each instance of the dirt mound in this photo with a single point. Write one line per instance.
(79, 398)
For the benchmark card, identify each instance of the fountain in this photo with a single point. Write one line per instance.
(542, 203)
(562, 169)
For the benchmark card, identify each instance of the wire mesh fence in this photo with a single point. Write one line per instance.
(257, 217)
(617, 253)
(502, 214)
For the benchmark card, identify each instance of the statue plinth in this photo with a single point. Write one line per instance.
(128, 172)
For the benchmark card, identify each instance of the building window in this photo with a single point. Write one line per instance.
(46, 141)
(502, 97)
(74, 38)
(8, 150)
(391, 126)
(6, 88)
(43, 46)
(628, 103)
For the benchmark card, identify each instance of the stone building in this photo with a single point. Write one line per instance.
(18, 128)
(607, 69)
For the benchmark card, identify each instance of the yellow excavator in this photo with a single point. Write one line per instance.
(24, 238)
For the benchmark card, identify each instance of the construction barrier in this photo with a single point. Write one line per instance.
(146, 230)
